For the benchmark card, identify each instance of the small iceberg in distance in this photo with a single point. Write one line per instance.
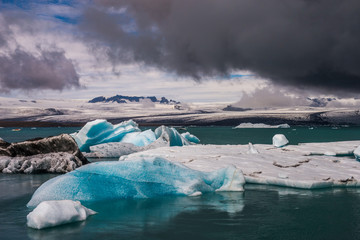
(262, 125)
(143, 177)
(279, 140)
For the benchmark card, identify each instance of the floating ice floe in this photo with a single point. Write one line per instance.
(94, 136)
(289, 166)
(140, 178)
(279, 140)
(54, 213)
(262, 125)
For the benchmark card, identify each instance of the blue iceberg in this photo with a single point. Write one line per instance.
(139, 178)
(171, 135)
(140, 139)
(191, 138)
(101, 131)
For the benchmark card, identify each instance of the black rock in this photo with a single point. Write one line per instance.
(62, 143)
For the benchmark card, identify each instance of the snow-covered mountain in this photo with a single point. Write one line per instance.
(126, 99)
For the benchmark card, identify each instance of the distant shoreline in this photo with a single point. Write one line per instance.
(175, 122)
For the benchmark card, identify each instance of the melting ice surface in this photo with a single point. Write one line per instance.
(101, 131)
(140, 178)
(54, 213)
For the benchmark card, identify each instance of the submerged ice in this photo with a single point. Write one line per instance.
(100, 132)
(143, 177)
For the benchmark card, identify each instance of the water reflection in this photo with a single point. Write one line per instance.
(131, 216)
(56, 232)
(261, 212)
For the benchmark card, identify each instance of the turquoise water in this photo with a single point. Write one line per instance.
(261, 212)
(218, 135)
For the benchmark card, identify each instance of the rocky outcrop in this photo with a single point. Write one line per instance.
(58, 154)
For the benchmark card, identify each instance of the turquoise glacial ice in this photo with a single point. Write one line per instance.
(140, 139)
(174, 137)
(139, 178)
(101, 131)
(190, 137)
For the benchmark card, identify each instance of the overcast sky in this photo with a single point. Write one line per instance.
(194, 51)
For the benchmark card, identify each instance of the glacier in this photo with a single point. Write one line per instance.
(305, 166)
(143, 177)
(102, 132)
(54, 213)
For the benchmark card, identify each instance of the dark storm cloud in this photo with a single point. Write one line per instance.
(50, 70)
(21, 69)
(293, 42)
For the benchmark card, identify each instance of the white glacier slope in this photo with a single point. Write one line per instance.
(54, 213)
(300, 166)
(140, 178)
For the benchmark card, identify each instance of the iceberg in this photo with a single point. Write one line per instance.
(279, 140)
(172, 135)
(140, 139)
(101, 131)
(136, 142)
(262, 125)
(144, 177)
(191, 138)
(54, 213)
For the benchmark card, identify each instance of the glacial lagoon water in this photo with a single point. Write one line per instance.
(261, 212)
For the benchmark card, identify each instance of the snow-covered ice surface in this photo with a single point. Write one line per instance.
(54, 213)
(262, 125)
(140, 178)
(300, 166)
